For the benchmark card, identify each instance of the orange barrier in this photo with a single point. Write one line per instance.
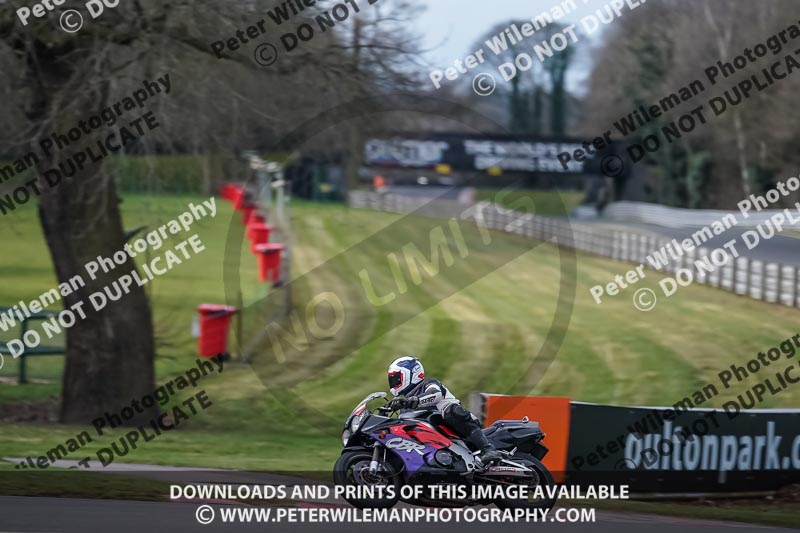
(552, 415)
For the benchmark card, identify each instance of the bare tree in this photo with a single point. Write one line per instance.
(60, 79)
(664, 47)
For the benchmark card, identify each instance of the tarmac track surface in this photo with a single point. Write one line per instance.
(779, 249)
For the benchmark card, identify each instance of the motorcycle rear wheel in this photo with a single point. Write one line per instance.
(545, 480)
(352, 468)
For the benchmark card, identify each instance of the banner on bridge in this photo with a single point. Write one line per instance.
(481, 153)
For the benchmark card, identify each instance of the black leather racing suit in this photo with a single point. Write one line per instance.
(431, 394)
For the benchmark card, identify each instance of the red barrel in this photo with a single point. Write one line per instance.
(240, 200)
(236, 195)
(247, 213)
(255, 219)
(230, 192)
(259, 234)
(269, 261)
(215, 321)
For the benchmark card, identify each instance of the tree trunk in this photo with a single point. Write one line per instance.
(538, 110)
(741, 146)
(723, 41)
(109, 354)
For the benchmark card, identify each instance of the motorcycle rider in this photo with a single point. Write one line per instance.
(412, 390)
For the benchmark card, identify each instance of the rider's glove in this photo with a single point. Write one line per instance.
(412, 402)
(397, 403)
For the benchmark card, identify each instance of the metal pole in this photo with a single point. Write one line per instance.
(794, 289)
(23, 374)
(239, 326)
(268, 187)
(279, 200)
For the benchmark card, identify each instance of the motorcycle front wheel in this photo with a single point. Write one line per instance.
(352, 469)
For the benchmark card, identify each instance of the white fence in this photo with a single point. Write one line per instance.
(760, 280)
(674, 217)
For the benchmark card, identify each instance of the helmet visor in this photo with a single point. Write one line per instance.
(395, 379)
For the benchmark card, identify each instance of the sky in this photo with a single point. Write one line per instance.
(451, 28)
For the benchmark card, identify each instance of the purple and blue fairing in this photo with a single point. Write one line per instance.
(413, 459)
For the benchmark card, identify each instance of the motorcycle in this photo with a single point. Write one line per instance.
(417, 448)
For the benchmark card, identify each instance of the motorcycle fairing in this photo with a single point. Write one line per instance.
(447, 431)
(424, 433)
(525, 436)
(418, 443)
(414, 454)
(414, 442)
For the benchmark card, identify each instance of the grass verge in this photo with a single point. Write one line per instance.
(550, 202)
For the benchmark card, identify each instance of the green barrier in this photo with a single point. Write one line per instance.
(30, 352)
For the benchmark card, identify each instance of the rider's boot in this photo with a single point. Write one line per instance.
(479, 441)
